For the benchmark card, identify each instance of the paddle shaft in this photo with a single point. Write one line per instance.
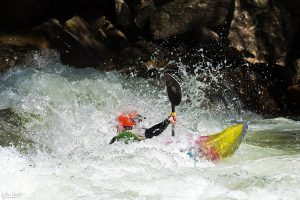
(173, 125)
(174, 95)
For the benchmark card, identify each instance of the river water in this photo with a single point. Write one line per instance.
(54, 141)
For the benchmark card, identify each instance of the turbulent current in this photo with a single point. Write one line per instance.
(56, 123)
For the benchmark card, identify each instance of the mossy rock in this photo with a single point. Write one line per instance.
(12, 130)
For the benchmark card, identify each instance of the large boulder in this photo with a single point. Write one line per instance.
(253, 88)
(261, 31)
(114, 37)
(77, 44)
(181, 16)
(125, 21)
(267, 33)
(296, 67)
(143, 10)
(12, 130)
(293, 98)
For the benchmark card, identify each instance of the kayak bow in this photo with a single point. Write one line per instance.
(222, 144)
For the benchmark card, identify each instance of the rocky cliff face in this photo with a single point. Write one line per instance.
(258, 38)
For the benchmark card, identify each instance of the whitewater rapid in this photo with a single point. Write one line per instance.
(68, 118)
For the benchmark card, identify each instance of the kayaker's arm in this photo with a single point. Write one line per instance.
(147, 133)
(157, 129)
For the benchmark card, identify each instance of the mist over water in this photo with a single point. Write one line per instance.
(54, 143)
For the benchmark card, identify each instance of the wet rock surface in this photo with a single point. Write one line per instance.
(11, 130)
(258, 39)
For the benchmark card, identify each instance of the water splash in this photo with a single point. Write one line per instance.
(70, 118)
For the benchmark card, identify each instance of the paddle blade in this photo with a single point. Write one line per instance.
(173, 90)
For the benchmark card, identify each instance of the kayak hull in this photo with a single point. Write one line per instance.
(223, 144)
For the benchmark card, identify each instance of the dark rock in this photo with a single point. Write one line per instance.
(292, 6)
(11, 55)
(142, 58)
(205, 35)
(15, 47)
(268, 33)
(116, 39)
(80, 31)
(264, 33)
(182, 16)
(293, 56)
(139, 51)
(293, 73)
(87, 49)
(123, 13)
(76, 42)
(258, 31)
(293, 98)
(12, 130)
(296, 67)
(256, 89)
(161, 2)
(101, 26)
(143, 10)
(125, 20)
(57, 37)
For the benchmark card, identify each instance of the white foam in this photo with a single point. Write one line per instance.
(74, 112)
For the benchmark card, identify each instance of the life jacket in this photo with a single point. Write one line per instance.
(126, 137)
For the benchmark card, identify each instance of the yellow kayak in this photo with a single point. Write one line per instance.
(223, 144)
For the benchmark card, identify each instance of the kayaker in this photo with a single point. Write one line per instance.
(129, 127)
(213, 147)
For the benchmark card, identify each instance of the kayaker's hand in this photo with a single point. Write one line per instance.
(172, 119)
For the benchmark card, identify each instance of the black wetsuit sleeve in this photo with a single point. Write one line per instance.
(157, 129)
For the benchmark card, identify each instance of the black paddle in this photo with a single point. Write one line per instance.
(174, 94)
